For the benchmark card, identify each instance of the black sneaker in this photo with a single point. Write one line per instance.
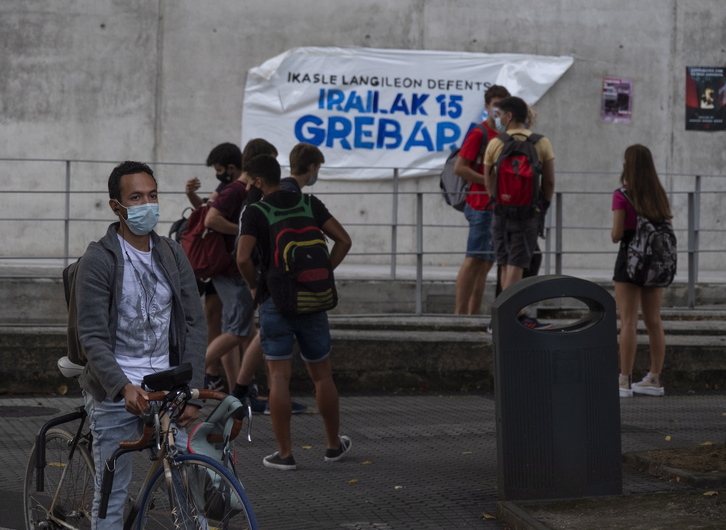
(532, 323)
(257, 406)
(333, 455)
(213, 382)
(275, 462)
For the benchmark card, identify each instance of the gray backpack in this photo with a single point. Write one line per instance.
(453, 187)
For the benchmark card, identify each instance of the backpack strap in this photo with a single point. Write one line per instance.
(624, 193)
(483, 145)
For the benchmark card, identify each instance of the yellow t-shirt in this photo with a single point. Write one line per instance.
(543, 148)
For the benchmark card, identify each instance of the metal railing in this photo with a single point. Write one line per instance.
(554, 251)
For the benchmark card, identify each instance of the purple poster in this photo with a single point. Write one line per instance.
(617, 99)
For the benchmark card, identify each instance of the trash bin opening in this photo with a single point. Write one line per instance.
(561, 315)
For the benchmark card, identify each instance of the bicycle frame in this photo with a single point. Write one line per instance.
(157, 421)
(40, 461)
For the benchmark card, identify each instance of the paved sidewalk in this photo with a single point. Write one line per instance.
(424, 461)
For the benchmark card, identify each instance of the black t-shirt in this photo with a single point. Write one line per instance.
(254, 223)
(290, 184)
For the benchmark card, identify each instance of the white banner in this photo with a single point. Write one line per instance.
(374, 108)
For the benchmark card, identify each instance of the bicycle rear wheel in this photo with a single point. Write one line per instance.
(204, 495)
(72, 507)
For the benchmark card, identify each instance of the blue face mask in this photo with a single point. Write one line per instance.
(141, 219)
(498, 125)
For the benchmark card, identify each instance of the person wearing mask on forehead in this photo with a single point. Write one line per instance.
(138, 313)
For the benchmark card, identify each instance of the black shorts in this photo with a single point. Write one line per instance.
(206, 287)
(621, 262)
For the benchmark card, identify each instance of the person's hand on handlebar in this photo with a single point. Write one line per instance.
(190, 415)
(136, 398)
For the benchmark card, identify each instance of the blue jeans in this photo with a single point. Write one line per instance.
(278, 334)
(111, 424)
(479, 244)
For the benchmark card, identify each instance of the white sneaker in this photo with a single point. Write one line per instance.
(649, 386)
(625, 390)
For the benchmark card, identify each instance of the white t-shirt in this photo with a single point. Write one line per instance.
(144, 315)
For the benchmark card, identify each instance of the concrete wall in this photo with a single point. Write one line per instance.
(163, 81)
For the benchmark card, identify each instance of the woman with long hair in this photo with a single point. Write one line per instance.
(648, 200)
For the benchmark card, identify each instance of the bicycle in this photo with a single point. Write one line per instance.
(180, 490)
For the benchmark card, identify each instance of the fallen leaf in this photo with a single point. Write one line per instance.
(467, 453)
(398, 487)
(667, 438)
(63, 390)
(307, 446)
(486, 515)
(707, 443)
(367, 463)
(353, 481)
(710, 493)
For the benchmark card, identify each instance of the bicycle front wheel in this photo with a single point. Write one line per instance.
(72, 479)
(204, 495)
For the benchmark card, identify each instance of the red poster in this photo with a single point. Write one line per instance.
(705, 98)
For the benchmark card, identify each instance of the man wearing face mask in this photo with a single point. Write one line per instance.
(138, 313)
(469, 165)
(515, 240)
(225, 158)
(305, 162)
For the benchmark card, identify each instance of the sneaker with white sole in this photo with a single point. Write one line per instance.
(625, 390)
(649, 386)
(213, 382)
(333, 455)
(532, 323)
(275, 462)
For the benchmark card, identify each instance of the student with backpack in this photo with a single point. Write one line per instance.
(295, 289)
(641, 201)
(479, 258)
(519, 171)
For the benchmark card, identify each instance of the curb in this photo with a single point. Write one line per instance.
(640, 461)
(514, 517)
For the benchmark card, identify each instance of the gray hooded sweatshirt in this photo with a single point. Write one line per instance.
(99, 283)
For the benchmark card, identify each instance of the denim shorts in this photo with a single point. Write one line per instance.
(278, 334)
(479, 245)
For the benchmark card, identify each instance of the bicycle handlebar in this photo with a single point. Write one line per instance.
(148, 418)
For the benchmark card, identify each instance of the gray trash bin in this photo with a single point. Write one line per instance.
(557, 399)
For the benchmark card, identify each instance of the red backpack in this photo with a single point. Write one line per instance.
(205, 248)
(518, 177)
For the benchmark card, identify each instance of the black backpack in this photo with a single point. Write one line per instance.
(178, 226)
(518, 178)
(453, 187)
(652, 254)
(299, 275)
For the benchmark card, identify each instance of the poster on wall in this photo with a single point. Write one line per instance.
(617, 98)
(705, 98)
(371, 110)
